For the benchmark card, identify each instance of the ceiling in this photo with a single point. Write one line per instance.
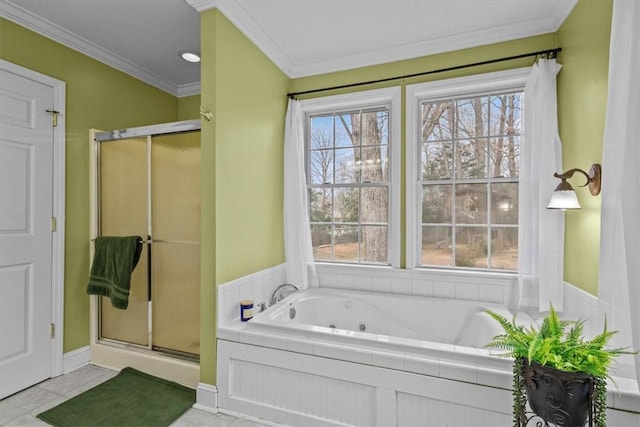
(302, 37)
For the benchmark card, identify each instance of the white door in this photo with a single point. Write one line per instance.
(26, 198)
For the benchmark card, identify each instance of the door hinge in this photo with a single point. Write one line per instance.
(52, 330)
(54, 117)
(53, 223)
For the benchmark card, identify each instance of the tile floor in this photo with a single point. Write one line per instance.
(21, 408)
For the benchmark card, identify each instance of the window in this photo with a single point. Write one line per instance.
(464, 176)
(352, 164)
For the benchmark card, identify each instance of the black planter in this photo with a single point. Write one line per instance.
(558, 397)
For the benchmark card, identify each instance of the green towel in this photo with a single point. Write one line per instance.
(113, 261)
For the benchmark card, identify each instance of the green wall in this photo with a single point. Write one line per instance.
(242, 155)
(97, 96)
(582, 101)
(250, 108)
(427, 63)
(189, 108)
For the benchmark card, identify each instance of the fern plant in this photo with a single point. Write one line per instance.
(559, 344)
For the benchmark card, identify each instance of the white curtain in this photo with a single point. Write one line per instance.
(298, 251)
(619, 281)
(541, 231)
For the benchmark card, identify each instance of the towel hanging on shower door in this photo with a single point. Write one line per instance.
(113, 262)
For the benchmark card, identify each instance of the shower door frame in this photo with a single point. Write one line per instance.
(119, 353)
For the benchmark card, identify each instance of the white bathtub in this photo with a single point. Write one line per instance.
(418, 361)
(394, 322)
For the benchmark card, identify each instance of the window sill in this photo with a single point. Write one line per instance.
(417, 273)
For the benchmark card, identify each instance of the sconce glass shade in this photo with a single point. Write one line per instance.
(564, 199)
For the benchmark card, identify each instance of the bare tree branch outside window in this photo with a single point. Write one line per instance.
(469, 156)
(349, 190)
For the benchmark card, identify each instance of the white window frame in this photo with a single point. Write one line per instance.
(476, 85)
(366, 99)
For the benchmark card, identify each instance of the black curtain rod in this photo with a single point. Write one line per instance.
(550, 53)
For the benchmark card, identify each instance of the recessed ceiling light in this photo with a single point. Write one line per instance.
(190, 55)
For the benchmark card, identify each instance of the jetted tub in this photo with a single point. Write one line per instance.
(337, 357)
(334, 357)
(390, 322)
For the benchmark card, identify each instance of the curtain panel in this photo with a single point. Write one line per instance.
(619, 278)
(300, 265)
(541, 231)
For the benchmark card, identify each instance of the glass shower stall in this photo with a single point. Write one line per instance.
(148, 184)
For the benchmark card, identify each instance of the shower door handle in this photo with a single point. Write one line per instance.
(149, 268)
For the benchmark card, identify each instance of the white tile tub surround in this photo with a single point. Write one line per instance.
(500, 288)
(579, 304)
(464, 285)
(257, 287)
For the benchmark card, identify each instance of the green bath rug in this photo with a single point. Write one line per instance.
(132, 398)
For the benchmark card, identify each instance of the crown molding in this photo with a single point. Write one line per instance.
(58, 34)
(188, 89)
(513, 31)
(236, 13)
(202, 5)
(430, 47)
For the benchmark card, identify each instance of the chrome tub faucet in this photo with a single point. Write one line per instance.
(281, 292)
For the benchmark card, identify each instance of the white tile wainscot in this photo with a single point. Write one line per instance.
(257, 287)
(464, 285)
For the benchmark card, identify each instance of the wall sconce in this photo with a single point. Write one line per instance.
(564, 197)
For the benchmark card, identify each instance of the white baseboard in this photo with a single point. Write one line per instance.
(76, 359)
(207, 398)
